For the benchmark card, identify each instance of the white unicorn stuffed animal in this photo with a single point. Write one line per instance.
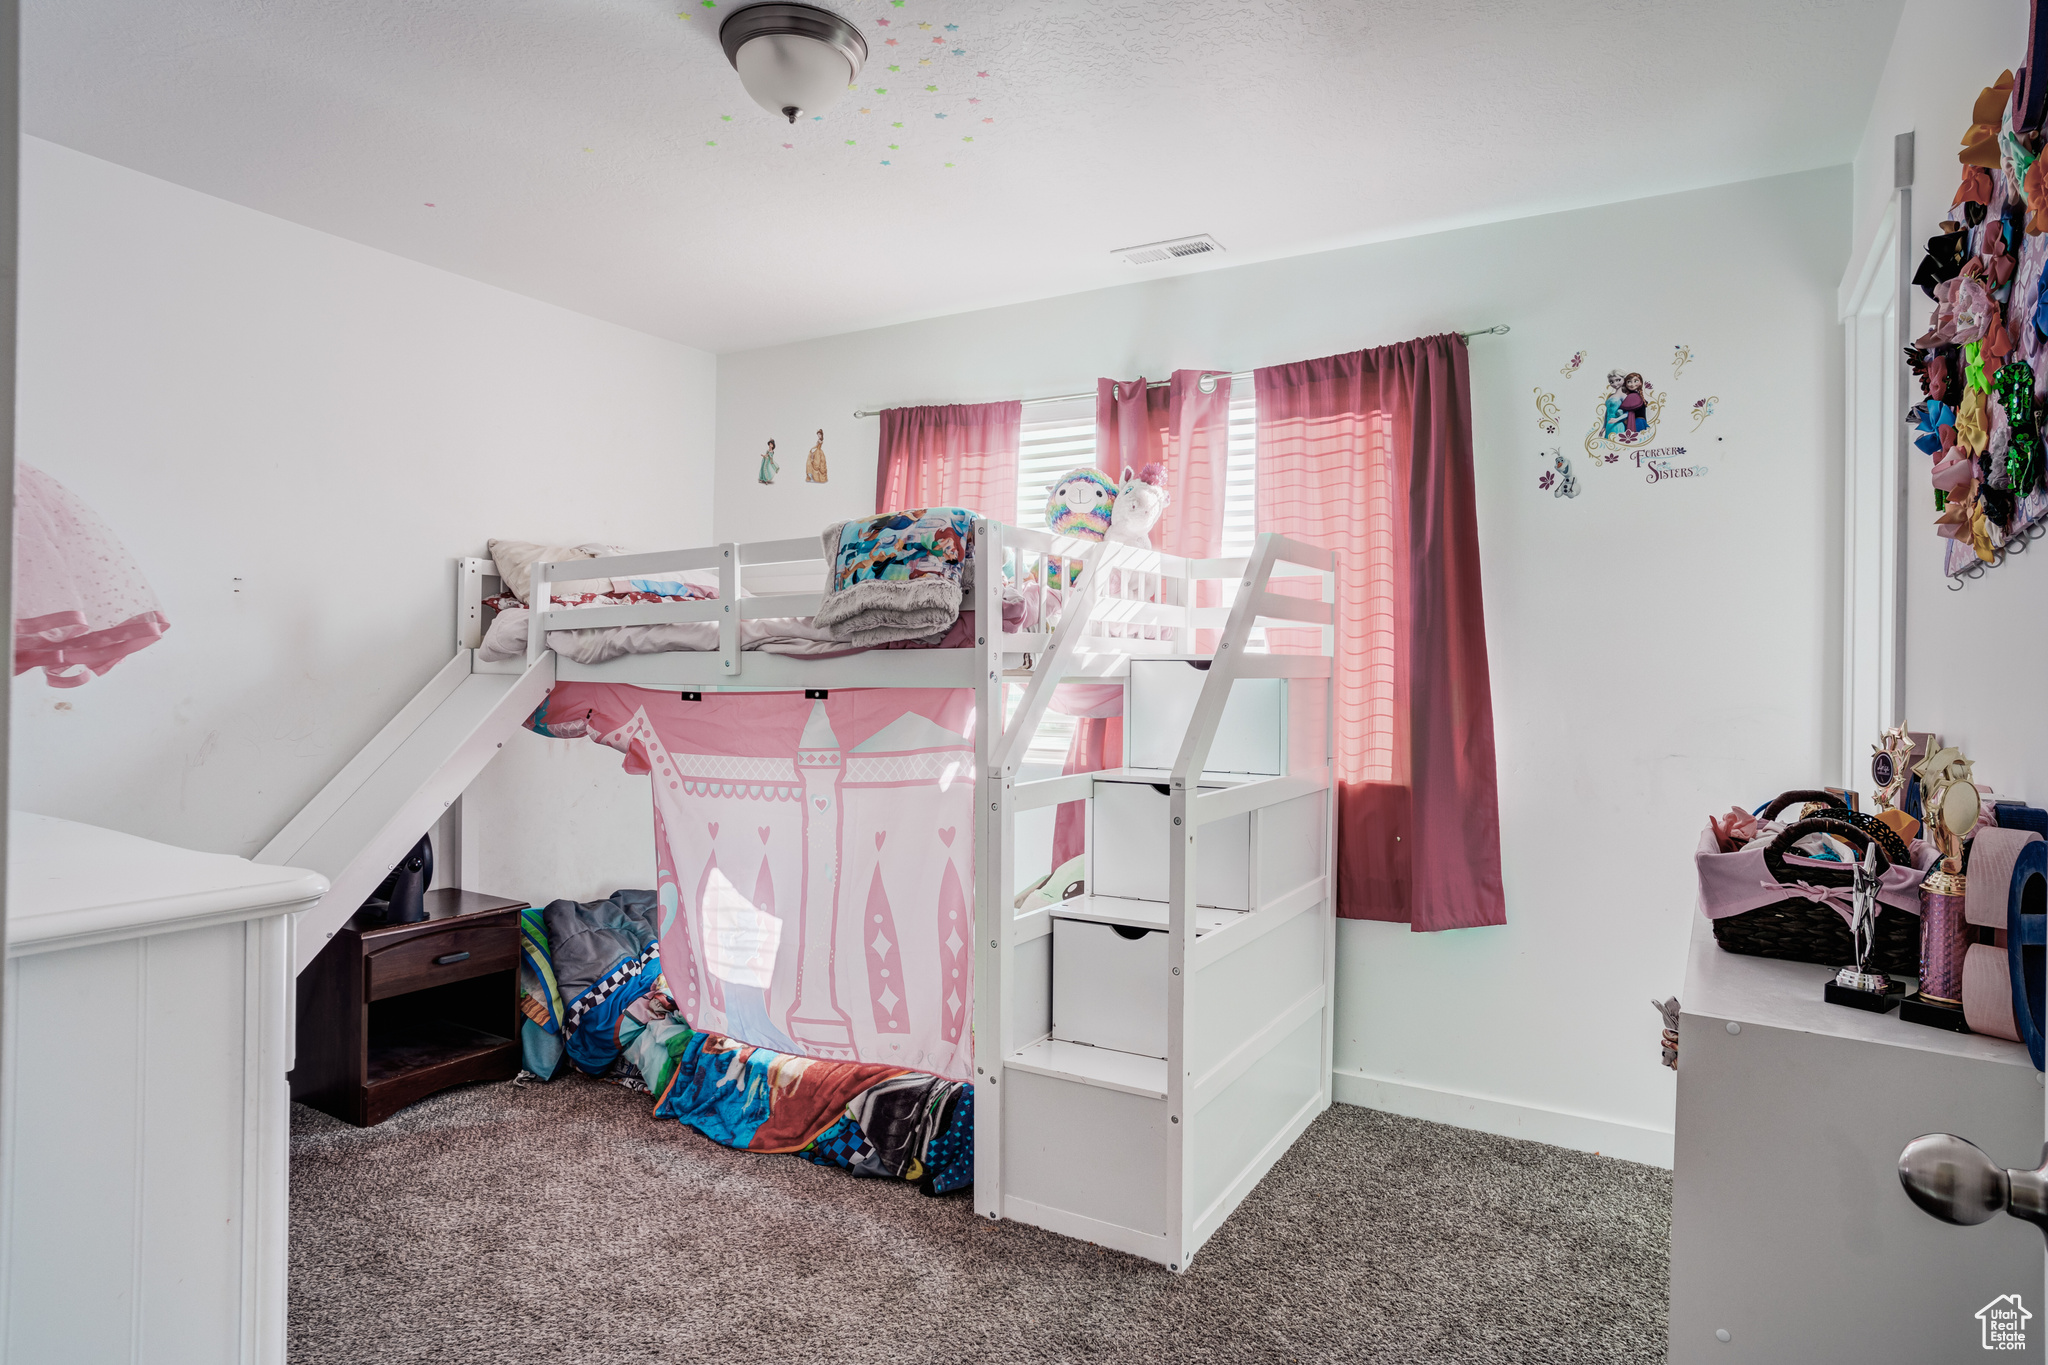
(1140, 502)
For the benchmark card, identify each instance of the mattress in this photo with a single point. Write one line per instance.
(506, 639)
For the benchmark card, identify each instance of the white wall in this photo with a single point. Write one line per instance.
(1973, 660)
(1658, 652)
(295, 435)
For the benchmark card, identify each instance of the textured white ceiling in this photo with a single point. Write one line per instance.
(600, 154)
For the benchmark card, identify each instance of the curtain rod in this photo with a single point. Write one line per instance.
(1496, 330)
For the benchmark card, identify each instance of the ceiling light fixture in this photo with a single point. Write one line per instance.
(793, 59)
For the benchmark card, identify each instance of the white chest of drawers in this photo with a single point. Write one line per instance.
(143, 1192)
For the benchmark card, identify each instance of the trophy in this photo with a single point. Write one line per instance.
(1950, 802)
(1858, 987)
(1889, 774)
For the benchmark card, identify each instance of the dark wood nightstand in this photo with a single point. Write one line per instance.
(391, 1013)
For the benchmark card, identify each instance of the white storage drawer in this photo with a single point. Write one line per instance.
(1109, 982)
(1128, 846)
(1250, 737)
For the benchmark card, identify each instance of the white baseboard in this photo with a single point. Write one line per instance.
(1581, 1132)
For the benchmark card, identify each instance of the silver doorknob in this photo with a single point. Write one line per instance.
(1953, 1180)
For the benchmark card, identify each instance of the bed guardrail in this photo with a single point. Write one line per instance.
(1143, 603)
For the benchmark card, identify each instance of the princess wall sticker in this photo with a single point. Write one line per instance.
(1628, 415)
(769, 469)
(814, 463)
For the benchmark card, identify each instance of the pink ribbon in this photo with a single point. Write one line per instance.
(1840, 899)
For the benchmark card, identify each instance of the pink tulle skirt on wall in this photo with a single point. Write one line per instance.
(80, 602)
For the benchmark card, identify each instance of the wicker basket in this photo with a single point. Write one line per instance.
(1889, 844)
(1800, 930)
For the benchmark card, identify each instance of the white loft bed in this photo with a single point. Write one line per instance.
(1120, 1147)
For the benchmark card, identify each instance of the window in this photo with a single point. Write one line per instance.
(1057, 437)
(1240, 499)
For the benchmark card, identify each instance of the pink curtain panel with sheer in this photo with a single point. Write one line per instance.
(1370, 455)
(80, 602)
(958, 455)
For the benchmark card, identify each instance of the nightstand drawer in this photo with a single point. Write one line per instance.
(455, 953)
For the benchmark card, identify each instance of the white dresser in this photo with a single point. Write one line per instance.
(143, 1193)
(1790, 1231)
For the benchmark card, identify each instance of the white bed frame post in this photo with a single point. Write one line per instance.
(729, 618)
(993, 929)
(540, 597)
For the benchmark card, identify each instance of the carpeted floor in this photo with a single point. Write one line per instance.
(553, 1223)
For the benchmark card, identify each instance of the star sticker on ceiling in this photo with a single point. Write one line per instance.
(726, 117)
(973, 100)
(867, 111)
(707, 143)
(895, 68)
(881, 90)
(710, 4)
(889, 42)
(885, 163)
(924, 61)
(967, 139)
(988, 120)
(959, 52)
(892, 147)
(895, 125)
(951, 27)
(949, 165)
(940, 41)
(924, 25)
(849, 142)
(897, 3)
(938, 115)
(931, 87)
(788, 145)
(883, 22)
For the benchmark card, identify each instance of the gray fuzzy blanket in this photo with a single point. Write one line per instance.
(884, 611)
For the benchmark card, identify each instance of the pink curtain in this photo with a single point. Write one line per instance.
(1130, 424)
(1197, 466)
(1184, 430)
(1370, 455)
(1098, 743)
(959, 455)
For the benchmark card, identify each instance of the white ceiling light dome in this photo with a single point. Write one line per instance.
(792, 59)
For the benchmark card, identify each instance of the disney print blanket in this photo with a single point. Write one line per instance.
(897, 576)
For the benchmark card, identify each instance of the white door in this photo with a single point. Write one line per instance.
(1873, 606)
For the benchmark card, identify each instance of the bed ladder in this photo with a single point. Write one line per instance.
(394, 790)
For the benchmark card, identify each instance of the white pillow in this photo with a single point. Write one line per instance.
(515, 560)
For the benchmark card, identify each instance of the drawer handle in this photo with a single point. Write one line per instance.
(447, 958)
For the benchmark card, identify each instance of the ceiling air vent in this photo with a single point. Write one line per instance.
(1179, 248)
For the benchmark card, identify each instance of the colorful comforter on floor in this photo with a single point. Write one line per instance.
(592, 989)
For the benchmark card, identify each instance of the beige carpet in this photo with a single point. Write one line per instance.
(561, 1223)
